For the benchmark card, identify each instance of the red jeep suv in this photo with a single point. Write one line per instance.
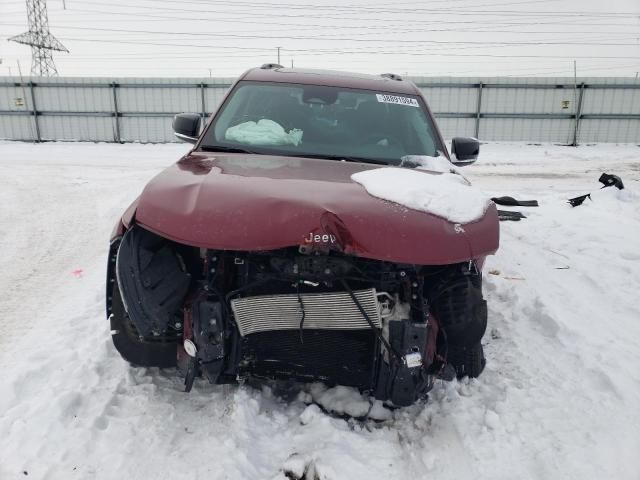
(262, 255)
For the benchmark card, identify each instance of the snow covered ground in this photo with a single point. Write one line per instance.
(560, 398)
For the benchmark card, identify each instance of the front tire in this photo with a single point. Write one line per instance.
(460, 308)
(467, 361)
(136, 351)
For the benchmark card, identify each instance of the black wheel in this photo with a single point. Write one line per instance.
(459, 306)
(467, 361)
(160, 353)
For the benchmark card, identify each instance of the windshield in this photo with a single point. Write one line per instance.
(319, 121)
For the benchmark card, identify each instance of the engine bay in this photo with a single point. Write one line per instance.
(289, 315)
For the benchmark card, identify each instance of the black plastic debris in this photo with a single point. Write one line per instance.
(506, 215)
(611, 181)
(574, 202)
(512, 202)
(607, 180)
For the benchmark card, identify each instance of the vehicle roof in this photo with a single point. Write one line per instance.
(331, 78)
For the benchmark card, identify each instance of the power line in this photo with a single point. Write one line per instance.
(196, 62)
(367, 36)
(386, 21)
(582, 68)
(358, 9)
(359, 52)
(341, 39)
(260, 20)
(375, 31)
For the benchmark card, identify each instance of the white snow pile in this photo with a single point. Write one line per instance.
(344, 401)
(445, 195)
(433, 164)
(263, 132)
(558, 399)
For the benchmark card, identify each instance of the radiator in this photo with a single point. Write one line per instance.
(322, 311)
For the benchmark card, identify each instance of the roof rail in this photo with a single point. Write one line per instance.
(271, 66)
(391, 76)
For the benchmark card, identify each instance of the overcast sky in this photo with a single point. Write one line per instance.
(419, 37)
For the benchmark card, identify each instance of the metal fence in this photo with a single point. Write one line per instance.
(503, 109)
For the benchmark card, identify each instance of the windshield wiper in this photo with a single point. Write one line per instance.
(222, 148)
(346, 158)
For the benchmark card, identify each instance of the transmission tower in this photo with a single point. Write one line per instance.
(41, 41)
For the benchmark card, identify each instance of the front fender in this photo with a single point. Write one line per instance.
(125, 221)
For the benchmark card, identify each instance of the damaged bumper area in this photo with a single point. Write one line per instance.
(290, 314)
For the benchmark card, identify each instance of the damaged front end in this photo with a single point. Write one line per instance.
(295, 313)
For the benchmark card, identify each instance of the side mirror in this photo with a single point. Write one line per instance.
(186, 126)
(464, 151)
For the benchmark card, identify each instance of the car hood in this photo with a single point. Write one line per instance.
(256, 202)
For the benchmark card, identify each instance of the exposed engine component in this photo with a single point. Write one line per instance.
(334, 357)
(381, 327)
(344, 320)
(208, 334)
(403, 381)
(327, 311)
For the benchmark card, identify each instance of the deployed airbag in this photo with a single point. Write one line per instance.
(263, 132)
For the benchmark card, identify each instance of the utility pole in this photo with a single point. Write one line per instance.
(278, 55)
(576, 107)
(575, 85)
(42, 43)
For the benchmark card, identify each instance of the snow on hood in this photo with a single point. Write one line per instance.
(446, 195)
(427, 162)
(432, 164)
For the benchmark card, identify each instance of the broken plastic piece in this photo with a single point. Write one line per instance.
(512, 202)
(611, 181)
(504, 215)
(574, 202)
(192, 373)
